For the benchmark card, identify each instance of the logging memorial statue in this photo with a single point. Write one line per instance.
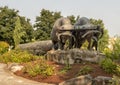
(84, 30)
(61, 32)
(76, 35)
(81, 31)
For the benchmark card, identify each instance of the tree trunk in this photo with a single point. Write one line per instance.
(38, 47)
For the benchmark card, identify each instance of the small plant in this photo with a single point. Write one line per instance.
(85, 70)
(3, 47)
(108, 65)
(115, 80)
(38, 68)
(66, 67)
(117, 71)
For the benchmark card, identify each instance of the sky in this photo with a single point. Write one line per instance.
(106, 10)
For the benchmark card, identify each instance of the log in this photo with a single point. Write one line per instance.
(38, 47)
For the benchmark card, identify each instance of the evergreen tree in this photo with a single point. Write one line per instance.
(18, 32)
(29, 31)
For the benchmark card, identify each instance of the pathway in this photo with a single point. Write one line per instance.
(8, 78)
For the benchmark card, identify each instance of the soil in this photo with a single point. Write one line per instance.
(71, 73)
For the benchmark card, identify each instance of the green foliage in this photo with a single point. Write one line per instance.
(85, 70)
(3, 47)
(107, 52)
(113, 53)
(115, 80)
(103, 42)
(17, 56)
(38, 68)
(117, 71)
(72, 19)
(44, 24)
(7, 26)
(28, 30)
(116, 48)
(18, 32)
(7, 20)
(108, 65)
(65, 69)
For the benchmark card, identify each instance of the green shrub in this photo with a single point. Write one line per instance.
(108, 65)
(108, 52)
(116, 48)
(113, 53)
(38, 68)
(115, 80)
(117, 71)
(17, 56)
(3, 47)
(85, 70)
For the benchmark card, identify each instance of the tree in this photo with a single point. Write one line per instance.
(18, 32)
(7, 20)
(44, 24)
(7, 25)
(27, 27)
(72, 19)
(103, 42)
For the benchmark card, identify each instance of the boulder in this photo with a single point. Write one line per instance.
(13, 67)
(74, 56)
(81, 80)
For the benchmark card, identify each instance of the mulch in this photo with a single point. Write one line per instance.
(60, 77)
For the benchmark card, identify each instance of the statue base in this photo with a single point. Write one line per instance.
(74, 56)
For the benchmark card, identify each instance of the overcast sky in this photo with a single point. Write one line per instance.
(107, 10)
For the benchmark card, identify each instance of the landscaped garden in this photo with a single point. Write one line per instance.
(38, 69)
(24, 53)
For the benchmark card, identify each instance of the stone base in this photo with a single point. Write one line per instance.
(74, 56)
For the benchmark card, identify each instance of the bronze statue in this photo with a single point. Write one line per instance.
(81, 31)
(97, 36)
(59, 33)
(84, 30)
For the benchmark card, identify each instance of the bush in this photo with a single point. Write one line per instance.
(115, 80)
(117, 71)
(17, 56)
(116, 48)
(38, 68)
(114, 52)
(108, 65)
(3, 47)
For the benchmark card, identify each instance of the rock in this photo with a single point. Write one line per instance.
(74, 56)
(13, 67)
(102, 80)
(81, 80)
(88, 80)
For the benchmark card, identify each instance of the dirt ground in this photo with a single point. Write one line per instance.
(60, 76)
